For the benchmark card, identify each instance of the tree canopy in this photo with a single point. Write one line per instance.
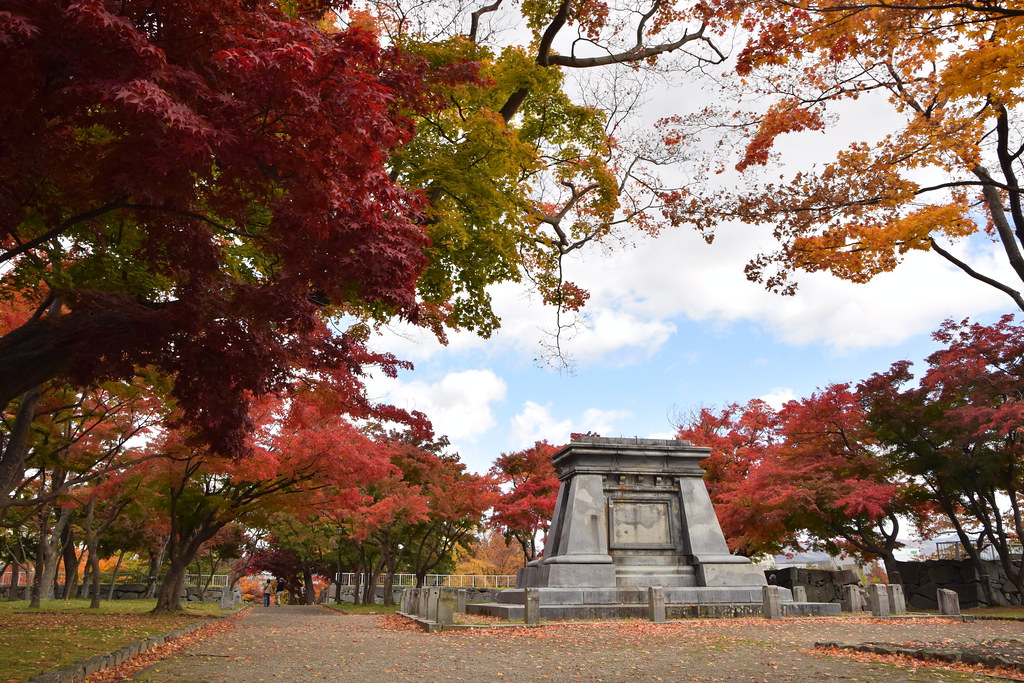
(947, 170)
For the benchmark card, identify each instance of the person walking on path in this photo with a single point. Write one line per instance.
(268, 588)
(280, 591)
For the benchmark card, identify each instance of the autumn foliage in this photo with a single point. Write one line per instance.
(940, 166)
(525, 507)
(196, 186)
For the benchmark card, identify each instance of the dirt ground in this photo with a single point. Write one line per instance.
(298, 643)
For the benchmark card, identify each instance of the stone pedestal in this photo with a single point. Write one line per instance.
(853, 599)
(949, 602)
(635, 512)
(772, 601)
(878, 596)
(656, 604)
(897, 602)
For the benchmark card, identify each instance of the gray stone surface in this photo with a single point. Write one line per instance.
(878, 596)
(949, 602)
(897, 603)
(799, 594)
(656, 604)
(772, 602)
(635, 512)
(531, 606)
(854, 599)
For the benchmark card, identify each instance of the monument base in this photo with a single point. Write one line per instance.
(631, 603)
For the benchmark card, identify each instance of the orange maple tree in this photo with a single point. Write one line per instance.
(948, 170)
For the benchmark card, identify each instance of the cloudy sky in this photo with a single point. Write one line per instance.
(672, 325)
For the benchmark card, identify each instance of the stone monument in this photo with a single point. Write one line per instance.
(633, 514)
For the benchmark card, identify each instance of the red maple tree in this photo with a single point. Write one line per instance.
(197, 186)
(525, 507)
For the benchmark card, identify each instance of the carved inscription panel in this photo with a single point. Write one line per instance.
(640, 524)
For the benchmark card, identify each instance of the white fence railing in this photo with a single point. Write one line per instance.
(953, 550)
(444, 580)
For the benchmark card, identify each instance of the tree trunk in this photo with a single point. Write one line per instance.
(71, 559)
(113, 575)
(156, 561)
(15, 577)
(168, 599)
(94, 568)
(49, 547)
(182, 554)
(12, 457)
(892, 570)
(307, 584)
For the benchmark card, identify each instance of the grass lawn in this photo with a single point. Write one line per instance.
(62, 633)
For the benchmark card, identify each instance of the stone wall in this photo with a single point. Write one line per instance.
(822, 585)
(473, 594)
(921, 581)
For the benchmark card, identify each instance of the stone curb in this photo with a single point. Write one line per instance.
(82, 670)
(935, 654)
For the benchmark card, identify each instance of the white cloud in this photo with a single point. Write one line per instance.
(535, 422)
(679, 276)
(459, 405)
(778, 396)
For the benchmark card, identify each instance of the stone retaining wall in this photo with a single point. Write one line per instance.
(822, 585)
(921, 581)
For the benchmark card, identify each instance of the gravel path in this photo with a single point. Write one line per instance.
(299, 643)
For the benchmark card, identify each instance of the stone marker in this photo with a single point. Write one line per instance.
(446, 602)
(853, 599)
(949, 602)
(531, 608)
(656, 604)
(462, 598)
(772, 602)
(897, 603)
(879, 598)
(432, 597)
(799, 593)
(227, 599)
(421, 602)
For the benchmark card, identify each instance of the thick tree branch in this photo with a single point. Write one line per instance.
(59, 230)
(1009, 291)
(474, 19)
(637, 53)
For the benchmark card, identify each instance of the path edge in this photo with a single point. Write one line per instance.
(82, 670)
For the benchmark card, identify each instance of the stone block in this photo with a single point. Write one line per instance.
(432, 597)
(447, 601)
(421, 602)
(897, 602)
(853, 599)
(531, 611)
(878, 596)
(462, 599)
(656, 604)
(772, 602)
(799, 594)
(949, 602)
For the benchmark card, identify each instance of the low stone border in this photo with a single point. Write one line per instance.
(962, 654)
(82, 670)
